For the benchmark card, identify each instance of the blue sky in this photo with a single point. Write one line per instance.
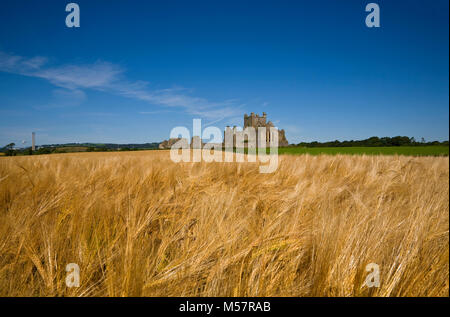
(136, 69)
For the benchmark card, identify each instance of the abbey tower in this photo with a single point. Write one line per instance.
(255, 121)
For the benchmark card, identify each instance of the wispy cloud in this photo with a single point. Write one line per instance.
(196, 106)
(98, 75)
(64, 98)
(154, 112)
(108, 77)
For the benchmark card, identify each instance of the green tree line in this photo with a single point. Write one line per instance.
(374, 141)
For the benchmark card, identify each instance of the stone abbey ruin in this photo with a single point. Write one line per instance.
(257, 122)
(254, 126)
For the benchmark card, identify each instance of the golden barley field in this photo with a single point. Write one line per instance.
(138, 224)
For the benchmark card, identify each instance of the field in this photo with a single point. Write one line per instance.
(387, 150)
(138, 224)
(70, 149)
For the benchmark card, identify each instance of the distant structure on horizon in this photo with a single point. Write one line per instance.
(255, 121)
(33, 141)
